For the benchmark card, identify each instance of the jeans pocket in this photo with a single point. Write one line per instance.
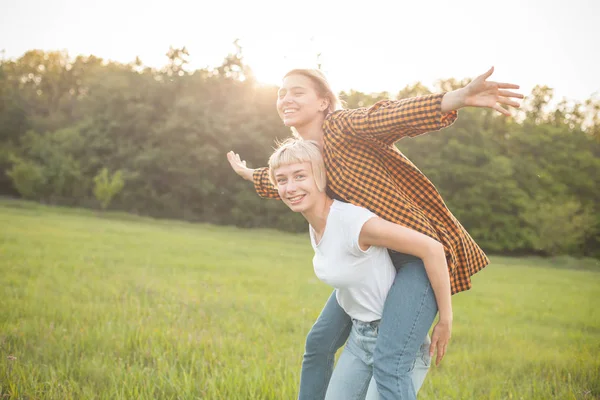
(422, 359)
(426, 358)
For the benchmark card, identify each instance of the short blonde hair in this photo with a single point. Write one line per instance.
(292, 151)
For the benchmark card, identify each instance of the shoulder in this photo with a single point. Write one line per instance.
(350, 214)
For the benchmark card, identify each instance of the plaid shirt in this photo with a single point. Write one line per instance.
(366, 169)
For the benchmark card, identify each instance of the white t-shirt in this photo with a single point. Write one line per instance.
(362, 279)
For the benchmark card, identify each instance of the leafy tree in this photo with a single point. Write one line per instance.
(106, 186)
(165, 131)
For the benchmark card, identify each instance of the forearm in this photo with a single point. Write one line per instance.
(390, 121)
(437, 272)
(248, 174)
(453, 101)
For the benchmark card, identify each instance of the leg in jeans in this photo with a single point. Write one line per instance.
(327, 335)
(408, 313)
(353, 372)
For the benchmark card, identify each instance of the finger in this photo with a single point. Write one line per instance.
(501, 110)
(440, 354)
(508, 93)
(508, 102)
(488, 73)
(504, 85)
(432, 348)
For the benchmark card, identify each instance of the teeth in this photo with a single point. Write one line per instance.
(295, 198)
(288, 111)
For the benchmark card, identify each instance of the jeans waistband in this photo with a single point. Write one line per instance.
(366, 328)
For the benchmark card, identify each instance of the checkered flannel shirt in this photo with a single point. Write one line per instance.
(366, 169)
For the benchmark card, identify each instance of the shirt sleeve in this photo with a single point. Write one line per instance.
(356, 220)
(391, 120)
(262, 184)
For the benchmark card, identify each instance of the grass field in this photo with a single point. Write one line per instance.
(123, 307)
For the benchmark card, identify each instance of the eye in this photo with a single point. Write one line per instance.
(280, 181)
(300, 176)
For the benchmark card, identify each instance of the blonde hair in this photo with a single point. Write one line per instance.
(292, 151)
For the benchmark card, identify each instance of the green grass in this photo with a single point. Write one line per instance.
(123, 307)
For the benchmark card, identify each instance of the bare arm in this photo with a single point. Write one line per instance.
(382, 233)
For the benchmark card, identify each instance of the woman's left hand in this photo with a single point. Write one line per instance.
(439, 339)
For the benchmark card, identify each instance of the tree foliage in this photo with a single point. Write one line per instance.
(528, 184)
(106, 186)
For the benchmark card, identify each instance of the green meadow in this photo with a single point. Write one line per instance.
(115, 306)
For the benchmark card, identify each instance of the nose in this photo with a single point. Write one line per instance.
(287, 98)
(290, 187)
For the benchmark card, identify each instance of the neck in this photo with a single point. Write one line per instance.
(317, 215)
(312, 130)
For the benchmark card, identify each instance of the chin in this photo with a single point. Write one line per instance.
(296, 208)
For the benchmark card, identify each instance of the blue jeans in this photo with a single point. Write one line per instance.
(352, 377)
(409, 311)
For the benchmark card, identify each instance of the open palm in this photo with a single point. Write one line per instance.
(483, 93)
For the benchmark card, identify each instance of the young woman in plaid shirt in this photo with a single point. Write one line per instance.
(365, 168)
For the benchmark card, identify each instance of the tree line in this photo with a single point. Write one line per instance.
(91, 133)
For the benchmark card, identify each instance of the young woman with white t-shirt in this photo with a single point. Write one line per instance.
(351, 254)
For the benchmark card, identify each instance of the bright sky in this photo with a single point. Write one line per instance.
(367, 46)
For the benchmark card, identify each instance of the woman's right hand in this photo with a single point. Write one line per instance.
(439, 339)
(239, 166)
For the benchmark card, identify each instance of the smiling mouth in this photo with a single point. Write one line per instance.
(296, 199)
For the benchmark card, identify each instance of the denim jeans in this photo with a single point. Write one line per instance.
(408, 313)
(352, 377)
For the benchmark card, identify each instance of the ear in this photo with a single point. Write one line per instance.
(324, 105)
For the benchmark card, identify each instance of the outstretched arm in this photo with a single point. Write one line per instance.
(259, 176)
(391, 120)
(382, 233)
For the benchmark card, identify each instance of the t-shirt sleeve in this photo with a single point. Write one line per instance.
(355, 219)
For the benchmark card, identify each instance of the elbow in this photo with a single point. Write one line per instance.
(435, 249)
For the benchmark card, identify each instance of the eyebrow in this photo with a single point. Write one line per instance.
(295, 172)
(292, 88)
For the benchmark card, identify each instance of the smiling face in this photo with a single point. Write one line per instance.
(297, 186)
(298, 102)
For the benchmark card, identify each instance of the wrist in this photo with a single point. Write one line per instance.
(250, 175)
(453, 100)
(446, 318)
